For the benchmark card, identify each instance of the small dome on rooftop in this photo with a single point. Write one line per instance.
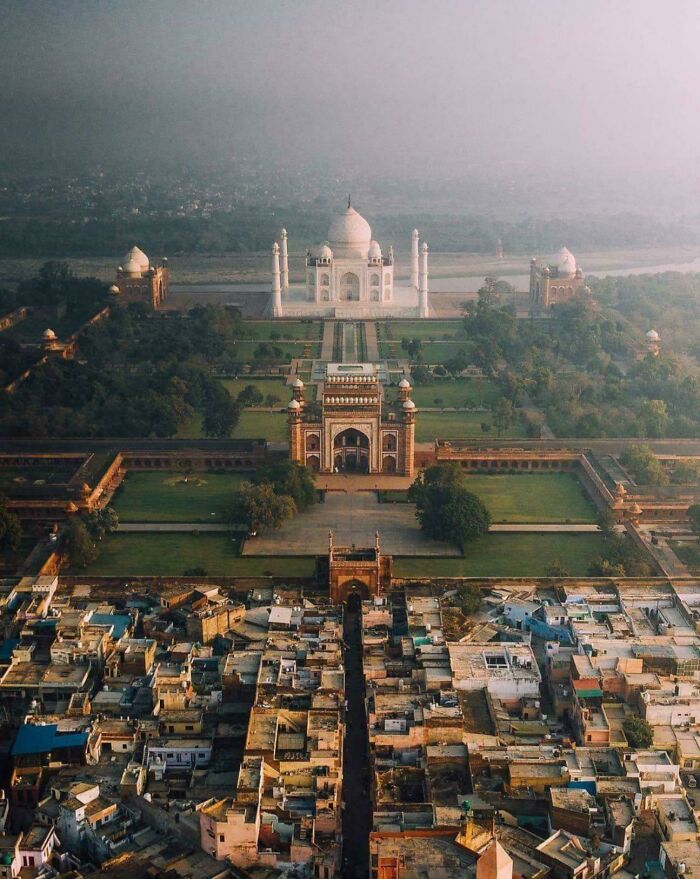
(114, 290)
(324, 251)
(409, 404)
(297, 383)
(48, 335)
(566, 262)
(139, 257)
(404, 383)
(294, 405)
(653, 336)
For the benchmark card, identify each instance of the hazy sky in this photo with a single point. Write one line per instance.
(454, 86)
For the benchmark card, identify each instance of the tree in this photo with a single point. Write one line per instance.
(249, 396)
(291, 479)
(503, 414)
(10, 528)
(445, 508)
(644, 466)
(694, 517)
(77, 544)
(258, 506)
(654, 415)
(101, 522)
(221, 414)
(637, 731)
(469, 598)
(606, 521)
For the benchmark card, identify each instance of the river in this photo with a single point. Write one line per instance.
(457, 283)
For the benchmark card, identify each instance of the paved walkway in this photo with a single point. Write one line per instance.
(348, 483)
(561, 528)
(371, 341)
(327, 343)
(666, 558)
(353, 518)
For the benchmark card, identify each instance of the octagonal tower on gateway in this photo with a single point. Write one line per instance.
(356, 432)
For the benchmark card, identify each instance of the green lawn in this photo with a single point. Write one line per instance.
(461, 392)
(544, 498)
(271, 426)
(170, 555)
(510, 555)
(549, 498)
(689, 554)
(287, 329)
(459, 425)
(276, 386)
(244, 350)
(433, 352)
(175, 497)
(422, 329)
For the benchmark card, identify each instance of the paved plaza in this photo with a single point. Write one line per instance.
(353, 517)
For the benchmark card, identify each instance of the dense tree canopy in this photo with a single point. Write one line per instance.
(446, 509)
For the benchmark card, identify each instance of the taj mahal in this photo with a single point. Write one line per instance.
(350, 276)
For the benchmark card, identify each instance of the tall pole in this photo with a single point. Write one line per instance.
(276, 284)
(414, 259)
(285, 261)
(423, 308)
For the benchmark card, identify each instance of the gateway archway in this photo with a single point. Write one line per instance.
(351, 450)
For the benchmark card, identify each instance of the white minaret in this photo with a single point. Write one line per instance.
(276, 301)
(285, 261)
(423, 282)
(414, 259)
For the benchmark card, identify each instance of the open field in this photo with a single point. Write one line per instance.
(271, 426)
(519, 499)
(510, 555)
(268, 330)
(433, 352)
(456, 392)
(276, 386)
(244, 350)
(175, 497)
(428, 330)
(170, 555)
(459, 425)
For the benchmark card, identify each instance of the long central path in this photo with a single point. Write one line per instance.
(357, 814)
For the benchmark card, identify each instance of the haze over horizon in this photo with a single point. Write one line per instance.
(419, 90)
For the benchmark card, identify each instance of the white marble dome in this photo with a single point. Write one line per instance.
(48, 335)
(294, 405)
(653, 336)
(297, 383)
(404, 383)
(409, 404)
(114, 290)
(131, 267)
(375, 251)
(139, 257)
(324, 251)
(566, 263)
(350, 234)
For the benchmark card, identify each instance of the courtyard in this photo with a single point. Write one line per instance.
(175, 497)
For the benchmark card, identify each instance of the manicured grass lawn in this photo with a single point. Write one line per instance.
(421, 329)
(170, 555)
(689, 554)
(175, 497)
(518, 499)
(244, 350)
(271, 426)
(276, 386)
(550, 498)
(459, 425)
(433, 352)
(456, 392)
(510, 555)
(288, 329)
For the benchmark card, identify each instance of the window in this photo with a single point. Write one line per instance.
(222, 838)
(189, 727)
